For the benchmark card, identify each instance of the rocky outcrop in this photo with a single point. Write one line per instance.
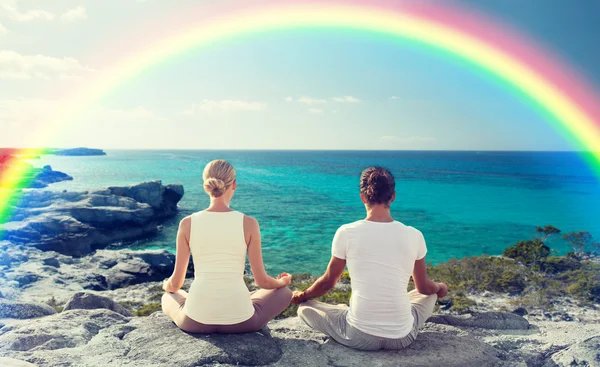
(77, 223)
(38, 275)
(80, 152)
(486, 320)
(23, 310)
(46, 176)
(584, 354)
(102, 337)
(89, 301)
(33, 178)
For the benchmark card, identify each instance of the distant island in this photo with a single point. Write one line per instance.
(79, 152)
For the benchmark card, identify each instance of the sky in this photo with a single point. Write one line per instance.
(281, 90)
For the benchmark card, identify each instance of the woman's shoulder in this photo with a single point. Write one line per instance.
(249, 221)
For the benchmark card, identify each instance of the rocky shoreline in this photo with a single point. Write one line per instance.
(96, 331)
(77, 223)
(66, 300)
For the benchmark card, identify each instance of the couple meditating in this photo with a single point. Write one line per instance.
(381, 255)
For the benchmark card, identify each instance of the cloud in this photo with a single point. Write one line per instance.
(32, 114)
(75, 14)
(17, 66)
(14, 13)
(346, 99)
(3, 30)
(318, 101)
(25, 111)
(311, 101)
(393, 97)
(225, 105)
(315, 110)
(407, 140)
(138, 113)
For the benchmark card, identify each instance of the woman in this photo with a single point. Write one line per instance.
(218, 239)
(381, 254)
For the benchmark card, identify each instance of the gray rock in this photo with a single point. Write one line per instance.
(148, 341)
(67, 329)
(88, 301)
(77, 223)
(102, 337)
(11, 362)
(521, 311)
(303, 346)
(23, 310)
(585, 353)
(484, 320)
(51, 261)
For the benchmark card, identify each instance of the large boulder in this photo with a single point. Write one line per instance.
(102, 337)
(68, 329)
(23, 310)
(583, 354)
(11, 362)
(484, 320)
(47, 176)
(89, 301)
(77, 223)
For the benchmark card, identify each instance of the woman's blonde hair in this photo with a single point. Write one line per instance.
(218, 176)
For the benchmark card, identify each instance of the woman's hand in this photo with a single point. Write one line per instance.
(167, 286)
(285, 279)
(298, 297)
(443, 291)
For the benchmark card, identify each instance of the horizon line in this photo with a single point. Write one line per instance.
(309, 150)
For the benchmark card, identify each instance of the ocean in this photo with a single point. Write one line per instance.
(465, 203)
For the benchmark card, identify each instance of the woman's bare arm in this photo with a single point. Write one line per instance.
(422, 282)
(261, 278)
(324, 284)
(182, 257)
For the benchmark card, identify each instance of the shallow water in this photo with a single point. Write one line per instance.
(465, 203)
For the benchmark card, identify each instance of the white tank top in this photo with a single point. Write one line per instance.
(218, 294)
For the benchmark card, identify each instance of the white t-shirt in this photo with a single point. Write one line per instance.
(380, 258)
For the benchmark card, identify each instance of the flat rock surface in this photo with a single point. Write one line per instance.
(485, 320)
(585, 353)
(88, 301)
(23, 310)
(102, 337)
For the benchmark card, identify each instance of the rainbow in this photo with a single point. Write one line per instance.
(550, 86)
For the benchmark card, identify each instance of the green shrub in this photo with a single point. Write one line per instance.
(345, 278)
(481, 273)
(148, 309)
(462, 304)
(528, 252)
(583, 283)
(559, 264)
(55, 305)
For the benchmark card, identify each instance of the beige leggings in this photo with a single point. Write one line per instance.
(331, 320)
(267, 303)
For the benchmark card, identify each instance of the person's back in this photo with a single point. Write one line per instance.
(380, 257)
(218, 294)
(219, 239)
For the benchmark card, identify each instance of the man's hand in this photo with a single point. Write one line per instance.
(443, 291)
(298, 297)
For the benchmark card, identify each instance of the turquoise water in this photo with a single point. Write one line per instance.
(465, 203)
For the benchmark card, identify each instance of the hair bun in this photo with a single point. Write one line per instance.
(378, 185)
(214, 186)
